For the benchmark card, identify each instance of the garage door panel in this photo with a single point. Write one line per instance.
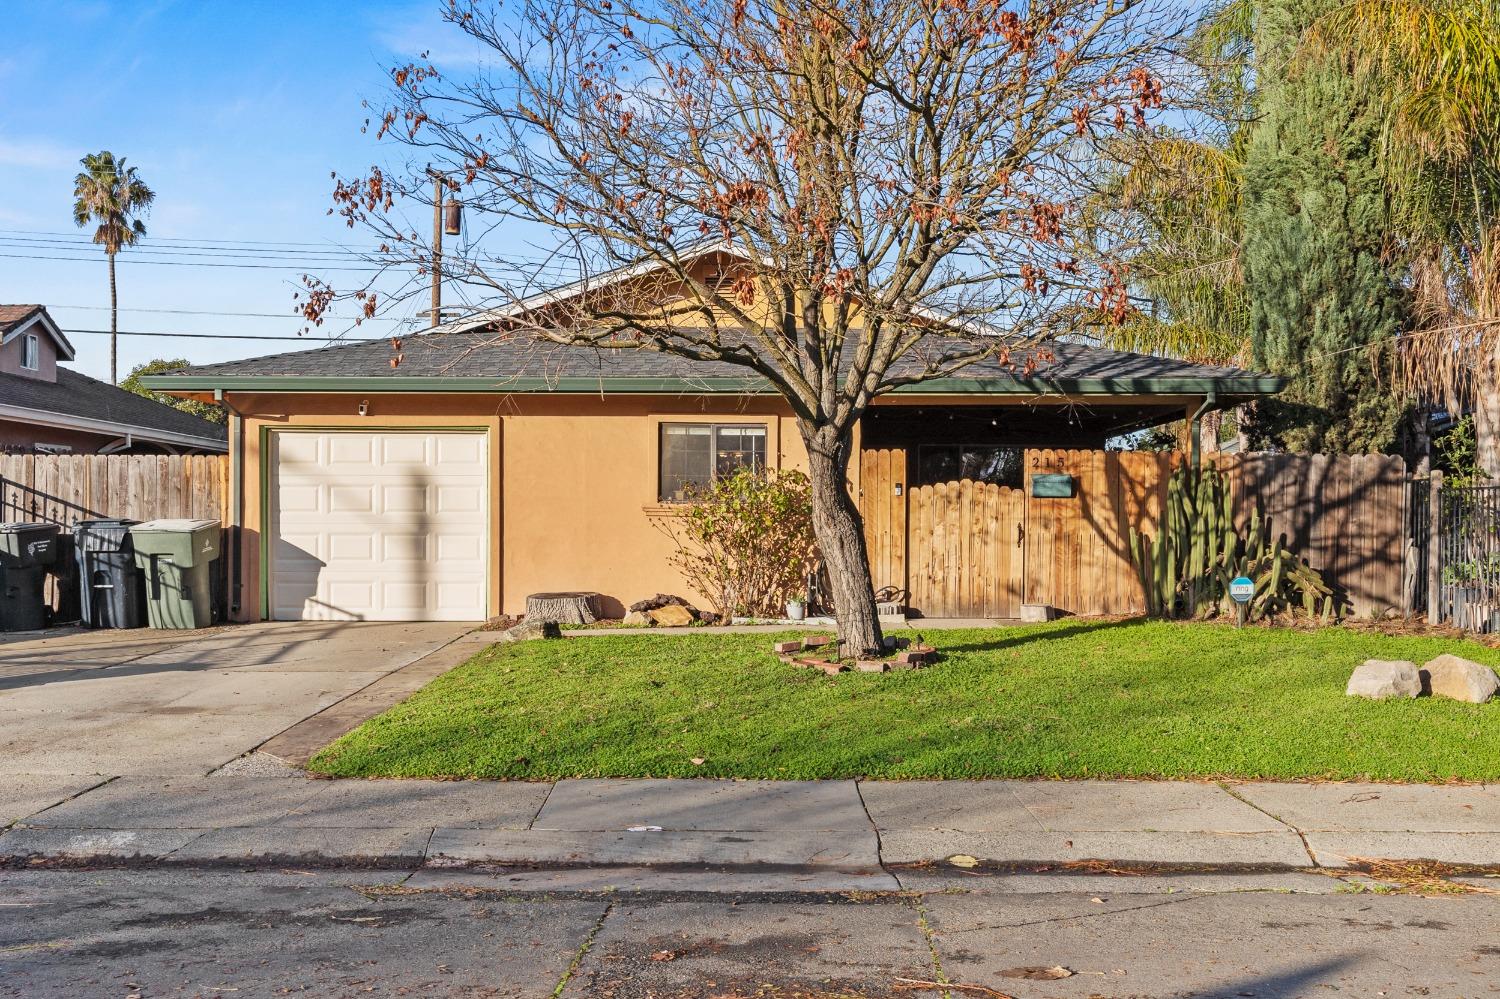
(300, 499)
(379, 526)
(346, 450)
(403, 499)
(351, 499)
(461, 451)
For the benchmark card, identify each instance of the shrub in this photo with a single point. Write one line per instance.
(747, 543)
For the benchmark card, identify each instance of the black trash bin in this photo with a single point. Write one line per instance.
(112, 589)
(25, 551)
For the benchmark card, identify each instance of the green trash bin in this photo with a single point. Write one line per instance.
(175, 556)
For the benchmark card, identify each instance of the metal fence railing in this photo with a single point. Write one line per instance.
(1468, 543)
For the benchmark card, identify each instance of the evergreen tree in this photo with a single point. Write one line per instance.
(1325, 301)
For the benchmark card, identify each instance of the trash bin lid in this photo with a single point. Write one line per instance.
(26, 527)
(171, 525)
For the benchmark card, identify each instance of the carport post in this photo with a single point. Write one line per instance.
(1195, 429)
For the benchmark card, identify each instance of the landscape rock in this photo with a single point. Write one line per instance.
(638, 619)
(1379, 679)
(672, 616)
(1461, 679)
(660, 600)
(528, 630)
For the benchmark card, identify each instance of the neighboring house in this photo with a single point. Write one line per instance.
(48, 409)
(484, 468)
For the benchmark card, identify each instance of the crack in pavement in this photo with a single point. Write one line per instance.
(583, 951)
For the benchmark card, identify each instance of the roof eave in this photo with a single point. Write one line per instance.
(1233, 386)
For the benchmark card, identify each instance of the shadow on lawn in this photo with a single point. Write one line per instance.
(1015, 641)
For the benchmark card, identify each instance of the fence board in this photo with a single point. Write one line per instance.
(64, 489)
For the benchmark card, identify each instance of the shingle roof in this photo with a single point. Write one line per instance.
(78, 395)
(518, 364)
(12, 316)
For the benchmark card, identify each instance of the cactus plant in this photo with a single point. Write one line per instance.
(1186, 568)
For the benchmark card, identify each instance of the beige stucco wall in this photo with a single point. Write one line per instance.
(575, 480)
(575, 477)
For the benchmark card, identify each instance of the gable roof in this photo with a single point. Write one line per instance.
(477, 361)
(18, 319)
(76, 400)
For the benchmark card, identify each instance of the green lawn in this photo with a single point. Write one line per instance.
(1068, 699)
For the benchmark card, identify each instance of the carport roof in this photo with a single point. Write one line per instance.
(475, 361)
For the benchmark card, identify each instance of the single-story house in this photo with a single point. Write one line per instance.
(483, 469)
(46, 408)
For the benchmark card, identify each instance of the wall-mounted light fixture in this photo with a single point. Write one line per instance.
(364, 407)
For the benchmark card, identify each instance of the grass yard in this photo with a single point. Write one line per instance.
(1068, 699)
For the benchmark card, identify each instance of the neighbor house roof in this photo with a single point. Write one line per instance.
(18, 319)
(75, 400)
(476, 361)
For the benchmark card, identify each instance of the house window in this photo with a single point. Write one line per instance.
(694, 454)
(980, 463)
(31, 353)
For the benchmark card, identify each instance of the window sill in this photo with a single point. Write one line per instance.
(667, 509)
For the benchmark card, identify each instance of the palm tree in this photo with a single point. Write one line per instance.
(108, 192)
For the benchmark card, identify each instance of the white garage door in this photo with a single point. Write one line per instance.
(378, 526)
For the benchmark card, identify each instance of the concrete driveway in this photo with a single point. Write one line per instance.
(77, 708)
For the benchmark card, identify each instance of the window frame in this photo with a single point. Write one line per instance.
(714, 427)
(31, 347)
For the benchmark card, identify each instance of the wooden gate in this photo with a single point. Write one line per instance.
(967, 555)
(882, 507)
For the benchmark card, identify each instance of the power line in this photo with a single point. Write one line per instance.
(205, 312)
(237, 336)
(204, 263)
(171, 239)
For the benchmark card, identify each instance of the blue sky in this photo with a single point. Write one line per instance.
(235, 113)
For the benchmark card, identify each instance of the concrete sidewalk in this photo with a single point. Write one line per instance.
(820, 835)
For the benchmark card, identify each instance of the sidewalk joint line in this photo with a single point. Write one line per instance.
(72, 797)
(583, 951)
(1311, 857)
(551, 786)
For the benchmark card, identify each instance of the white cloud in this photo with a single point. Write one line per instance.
(37, 154)
(410, 32)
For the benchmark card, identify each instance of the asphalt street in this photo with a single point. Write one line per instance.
(218, 933)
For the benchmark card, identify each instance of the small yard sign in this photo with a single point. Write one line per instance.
(1241, 589)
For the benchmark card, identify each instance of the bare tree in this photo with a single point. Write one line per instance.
(900, 182)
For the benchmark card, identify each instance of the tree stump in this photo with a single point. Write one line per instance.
(564, 608)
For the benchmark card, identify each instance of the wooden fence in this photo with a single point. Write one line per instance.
(64, 489)
(970, 549)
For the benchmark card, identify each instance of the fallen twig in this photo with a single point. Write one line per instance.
(914, 984)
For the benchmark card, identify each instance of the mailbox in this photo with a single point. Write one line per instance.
(1052, 485)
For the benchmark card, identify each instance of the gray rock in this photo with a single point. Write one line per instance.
(1462, 679)
(528, 630)
(638, 619)
(1381, 678)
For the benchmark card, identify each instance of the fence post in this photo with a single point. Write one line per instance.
(1434, 546)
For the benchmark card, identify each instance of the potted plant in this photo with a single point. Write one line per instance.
(796, 608)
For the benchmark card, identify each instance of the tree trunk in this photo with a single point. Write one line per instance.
(114, 325)
(841, 541)
(1487, 424)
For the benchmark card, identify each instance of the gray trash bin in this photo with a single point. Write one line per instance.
(175, 556)
(26, 549)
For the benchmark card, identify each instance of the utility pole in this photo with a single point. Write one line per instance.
(437, 246)
(445, 218)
